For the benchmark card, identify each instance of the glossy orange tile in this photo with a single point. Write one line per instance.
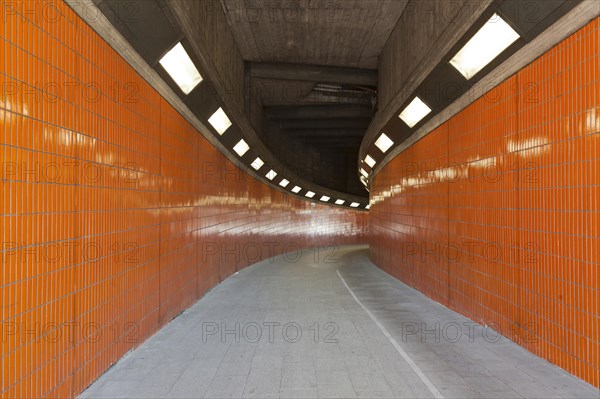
(495, 213)
(115, 213)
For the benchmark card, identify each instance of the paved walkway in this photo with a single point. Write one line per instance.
(334, 327)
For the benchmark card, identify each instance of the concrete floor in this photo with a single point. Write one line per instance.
(334, 327)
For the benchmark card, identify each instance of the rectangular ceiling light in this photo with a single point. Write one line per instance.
(364, 173)
(340, 202)
(258, 163)
(220, 121)
(370, 161)
(241, 148)
(368, 206)
(180, 67)
(492, 39)
(354, 205)
(363, 180)
(310, 194)
(271, 175)
(284, 183)
(414, 112)
(384, 143)
(325, 198)
(296, 189)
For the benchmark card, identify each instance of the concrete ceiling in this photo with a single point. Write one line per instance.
(348, 33)
(302, 79)
(311, 76)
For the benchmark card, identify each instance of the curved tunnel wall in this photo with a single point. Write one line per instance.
(116, 213)
(495, 213)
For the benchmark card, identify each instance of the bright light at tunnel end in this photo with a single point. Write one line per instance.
(495, 36)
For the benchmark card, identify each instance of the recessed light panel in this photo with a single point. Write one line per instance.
(364, 173)
(370, 161)
(220, 121)
(354, 205)
(271, 175)
(180, 67)
(414, 112)
(296, 189)
(325, 198)
(340, 202)
(310, 194)
(368, 206)
(492, 39)
(284, 183)
(384, 143)
(241, 148)
(258, 163)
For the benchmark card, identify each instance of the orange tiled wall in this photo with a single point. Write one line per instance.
(115, 214)
(496, 213)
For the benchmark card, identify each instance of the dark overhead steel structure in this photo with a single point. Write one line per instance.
(313, 73)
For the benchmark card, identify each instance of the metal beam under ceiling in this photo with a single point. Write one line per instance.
(319, 112)
(334, 123)
(313, 73)
(324, 132)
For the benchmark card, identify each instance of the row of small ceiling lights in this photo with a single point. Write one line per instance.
(182, 70)
(495, 36)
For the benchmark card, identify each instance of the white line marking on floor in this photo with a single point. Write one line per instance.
(404, 355)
